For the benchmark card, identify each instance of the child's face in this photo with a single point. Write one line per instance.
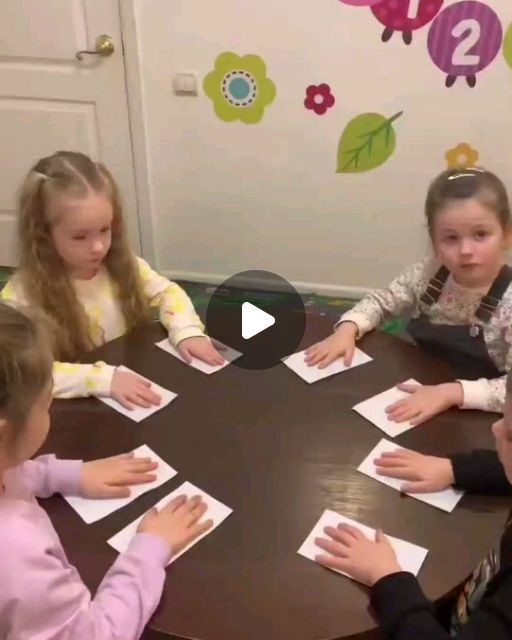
(33, 434)
(470, 241)
(502, 431)
(82, 235)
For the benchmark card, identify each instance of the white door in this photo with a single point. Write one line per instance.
(51, 101)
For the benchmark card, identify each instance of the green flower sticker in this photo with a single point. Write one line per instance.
(507, 46)
(239, 88)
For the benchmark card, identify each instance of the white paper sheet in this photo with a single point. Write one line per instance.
(216, 511)
(139, 413)
(228, 354)
(92, 510)
(446, 500)
(312, 374)
(374, 410)
(410, 557)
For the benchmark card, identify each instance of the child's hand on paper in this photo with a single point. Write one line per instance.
(112, 477)
(201, 348)
(341, 343)
(350, 551)
(177, 523)
(425, 402)
(424, 474)
(131, 390)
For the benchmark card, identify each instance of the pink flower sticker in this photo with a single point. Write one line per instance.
(319, 98)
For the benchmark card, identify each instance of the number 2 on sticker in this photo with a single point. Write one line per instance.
(414, 9)
(461, 55)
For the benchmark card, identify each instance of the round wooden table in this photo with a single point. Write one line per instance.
(278, 452)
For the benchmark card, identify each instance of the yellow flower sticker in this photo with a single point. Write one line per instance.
(462, 156)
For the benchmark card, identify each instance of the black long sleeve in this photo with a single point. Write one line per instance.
(405, 613)
(480, 472)
(403, 610)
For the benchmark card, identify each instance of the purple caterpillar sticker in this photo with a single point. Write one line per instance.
(464, 39)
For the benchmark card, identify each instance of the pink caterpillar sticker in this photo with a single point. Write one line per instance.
(405, 16)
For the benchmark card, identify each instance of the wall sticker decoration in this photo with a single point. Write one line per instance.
(239, 88)
(405, 16)
(319, 98)
(507, 46)
(367, 142)
(464, 39)
(461, 156)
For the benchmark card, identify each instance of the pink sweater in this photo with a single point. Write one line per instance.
(41, 595)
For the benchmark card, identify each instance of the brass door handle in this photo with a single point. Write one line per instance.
(104, 47)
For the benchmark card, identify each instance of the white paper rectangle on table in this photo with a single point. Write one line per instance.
(410, 557)
(139, 413)
(374, 410)
(296, 362)
(216, 511)
(446, 500)
(92, 510)
(229, 354)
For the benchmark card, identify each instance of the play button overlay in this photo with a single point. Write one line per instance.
(254, 320)
(259, 314)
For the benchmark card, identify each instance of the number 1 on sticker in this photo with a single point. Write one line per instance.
(414, 9)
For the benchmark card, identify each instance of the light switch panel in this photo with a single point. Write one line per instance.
(185, 84)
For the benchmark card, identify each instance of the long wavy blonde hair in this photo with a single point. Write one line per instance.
(42, 272)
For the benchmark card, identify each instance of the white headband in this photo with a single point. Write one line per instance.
(462, 175)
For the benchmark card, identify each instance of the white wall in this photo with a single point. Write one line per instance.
(228, 197)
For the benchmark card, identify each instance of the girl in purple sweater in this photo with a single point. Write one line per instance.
(41, 594)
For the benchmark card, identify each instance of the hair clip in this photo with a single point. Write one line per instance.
(41, 175)
(463, 173)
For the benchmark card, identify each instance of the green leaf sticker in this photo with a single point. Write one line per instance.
(367, 142)
(507, 46)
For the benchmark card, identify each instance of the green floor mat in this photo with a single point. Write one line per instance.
(5, 274)
(201, 293)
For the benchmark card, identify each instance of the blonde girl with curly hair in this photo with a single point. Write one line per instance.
(76, 265)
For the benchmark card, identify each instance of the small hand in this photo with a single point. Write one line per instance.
(341, 343)
(425, 474)
(350, 551)
(201, 348)
(425, 402)
(112, 477)
(131, 390)
(178, 522)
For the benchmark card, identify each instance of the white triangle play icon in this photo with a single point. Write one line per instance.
(254, 320)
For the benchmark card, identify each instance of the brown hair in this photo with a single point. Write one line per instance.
(465, 184)
(42, 272)
(509, 384)
(25, 363)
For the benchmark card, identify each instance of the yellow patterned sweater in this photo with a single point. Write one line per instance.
(101, 304)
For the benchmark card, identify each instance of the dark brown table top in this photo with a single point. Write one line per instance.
(278, 452)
